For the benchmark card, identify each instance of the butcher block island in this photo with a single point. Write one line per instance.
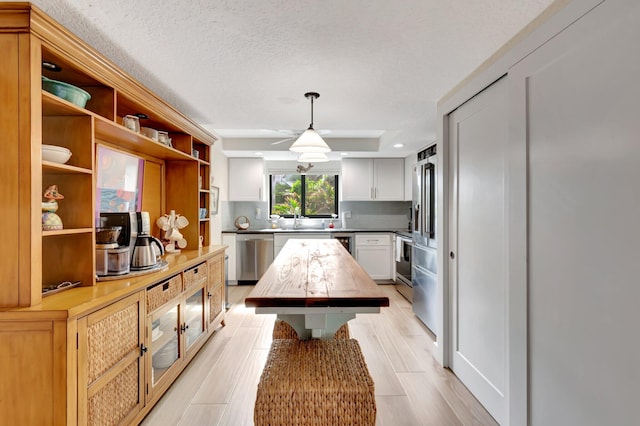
(315, 286)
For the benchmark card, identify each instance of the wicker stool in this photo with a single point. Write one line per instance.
(315, 382)
(282, 330)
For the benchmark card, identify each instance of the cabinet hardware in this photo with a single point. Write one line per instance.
(165, 286)
(184, 327)
(143, 349)
(209, 294)
(452, 255)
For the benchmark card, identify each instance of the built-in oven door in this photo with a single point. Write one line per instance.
(403, 258)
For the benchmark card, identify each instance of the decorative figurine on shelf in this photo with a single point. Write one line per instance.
(50, 220)
(170, 224)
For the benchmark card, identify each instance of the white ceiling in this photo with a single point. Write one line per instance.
(241, 68)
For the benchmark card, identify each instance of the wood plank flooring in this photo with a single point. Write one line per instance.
(219, 386)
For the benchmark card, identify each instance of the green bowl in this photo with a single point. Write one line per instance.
(70, 93)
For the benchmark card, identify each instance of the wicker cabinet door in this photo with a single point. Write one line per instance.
(110, 366)
(215, 291)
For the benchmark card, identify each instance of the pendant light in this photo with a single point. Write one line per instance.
(313, 157)
(310, 140)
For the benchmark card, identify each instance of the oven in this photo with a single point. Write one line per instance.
(403, 266)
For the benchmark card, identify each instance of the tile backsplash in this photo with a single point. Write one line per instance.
(364, 214)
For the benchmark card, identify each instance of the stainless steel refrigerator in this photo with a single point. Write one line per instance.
(424, 278)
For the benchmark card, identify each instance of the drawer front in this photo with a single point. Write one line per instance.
(195, 275)
(373, 240)
(162, 292)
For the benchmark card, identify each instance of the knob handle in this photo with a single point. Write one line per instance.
(452, 255)
(143, 349)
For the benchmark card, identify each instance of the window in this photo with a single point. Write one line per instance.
(309, 195)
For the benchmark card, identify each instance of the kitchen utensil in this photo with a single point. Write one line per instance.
(242, 222)
(66, 91)
(108, 235)
(163, 137)
(55, 154)
(144, 255)
(131, 122)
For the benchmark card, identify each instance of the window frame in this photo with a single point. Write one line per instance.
(303, 188)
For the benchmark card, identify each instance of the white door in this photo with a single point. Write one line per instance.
(581, 96)
(478, 136)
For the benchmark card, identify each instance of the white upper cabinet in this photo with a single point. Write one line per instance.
(367, 179)
(246, 179)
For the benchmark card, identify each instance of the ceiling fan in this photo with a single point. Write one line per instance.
(295, 134)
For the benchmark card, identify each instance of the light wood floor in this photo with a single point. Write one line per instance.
(219, 386)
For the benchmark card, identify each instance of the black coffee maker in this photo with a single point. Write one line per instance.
(115, 258)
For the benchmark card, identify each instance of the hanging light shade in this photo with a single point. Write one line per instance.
(310, 140)
(313, 157)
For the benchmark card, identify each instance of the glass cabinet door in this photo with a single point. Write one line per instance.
(164, 348)
(194, 322)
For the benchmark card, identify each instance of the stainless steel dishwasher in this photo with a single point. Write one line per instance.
(254, 255)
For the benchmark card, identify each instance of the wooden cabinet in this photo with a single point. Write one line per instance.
(110, 363)
(178, 178)
(246, 179)
(374, 252)
(366, 179)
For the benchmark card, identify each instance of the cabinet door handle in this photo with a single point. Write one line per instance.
(209, 294)
(143, 349)
(183, 328)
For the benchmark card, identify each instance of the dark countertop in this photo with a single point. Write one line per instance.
(403, 232)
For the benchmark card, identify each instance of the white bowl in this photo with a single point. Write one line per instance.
(55, 154)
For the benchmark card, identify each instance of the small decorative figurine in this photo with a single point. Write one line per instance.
(170, 224)
(50, 220)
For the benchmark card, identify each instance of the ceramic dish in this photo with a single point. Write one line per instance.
(66, 91)
(149, 132)
(55, 154)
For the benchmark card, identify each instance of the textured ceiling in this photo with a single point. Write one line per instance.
(241, 68)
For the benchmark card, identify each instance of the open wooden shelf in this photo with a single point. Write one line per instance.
(67, 232)
(50, 167)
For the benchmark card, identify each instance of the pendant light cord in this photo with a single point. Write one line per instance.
(311, 125)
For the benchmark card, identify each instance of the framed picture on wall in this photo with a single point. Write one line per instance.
(215, 194)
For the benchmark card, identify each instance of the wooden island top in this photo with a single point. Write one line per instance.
(315, 285)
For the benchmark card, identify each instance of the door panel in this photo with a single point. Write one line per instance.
(581, 92)
(478, 269)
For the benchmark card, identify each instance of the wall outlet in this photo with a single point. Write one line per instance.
(347, 214)
(258, 213)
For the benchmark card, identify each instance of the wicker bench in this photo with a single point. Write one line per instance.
(282, 330)
(315, 382)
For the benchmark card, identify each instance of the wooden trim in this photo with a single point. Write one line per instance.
(58, 39)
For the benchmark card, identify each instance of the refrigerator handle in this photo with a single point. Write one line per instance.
(429, 188)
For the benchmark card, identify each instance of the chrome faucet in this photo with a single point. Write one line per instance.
(296, 216)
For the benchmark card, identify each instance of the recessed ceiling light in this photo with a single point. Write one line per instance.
(344, 153)
(398, 145)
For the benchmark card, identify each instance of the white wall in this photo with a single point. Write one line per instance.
(220, 175)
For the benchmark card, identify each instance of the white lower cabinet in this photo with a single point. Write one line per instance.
(374, 252)
(230, 241)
